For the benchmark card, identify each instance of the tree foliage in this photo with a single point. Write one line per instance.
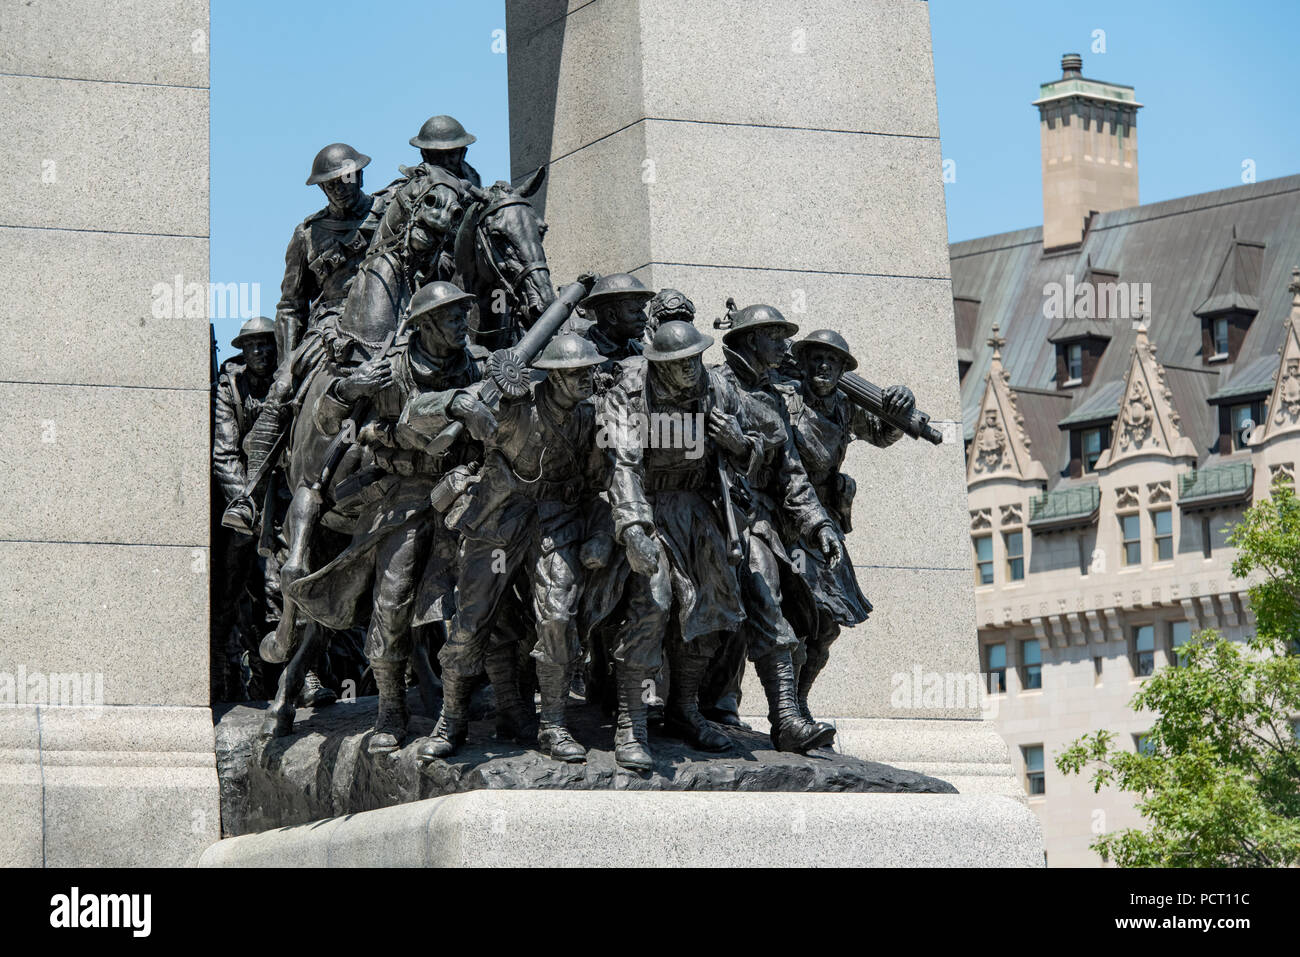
(1218, 777)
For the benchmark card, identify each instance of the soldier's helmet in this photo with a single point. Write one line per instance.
(668, 305)
(434, 297)
(568, 351)
(826, 339)
(335, 160)
(754, 317)
(259, 326)
(442, 133)
(618, 285)
(676, 339)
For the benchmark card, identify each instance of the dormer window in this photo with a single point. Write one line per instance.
(1232, 301)
(1092, 443)
(1219, 336)
(1074, 364)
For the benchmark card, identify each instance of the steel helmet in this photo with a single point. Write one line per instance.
(676, 339)
(335, 160)
(442, 133)
(826, 339)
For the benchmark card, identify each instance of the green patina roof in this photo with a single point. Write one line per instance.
(1221, 482)
(1065, 505)
(1082, 86)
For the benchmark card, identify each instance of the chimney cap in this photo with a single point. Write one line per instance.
(1072, 64)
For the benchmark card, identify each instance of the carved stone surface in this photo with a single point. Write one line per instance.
(1288, 395)
(1012, 514)
(1159, 492)
(981, 518)
(990, 444)
(324, 771)
(1127, 497)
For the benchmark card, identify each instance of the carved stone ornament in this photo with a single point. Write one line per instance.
(1137, 419)
(990, 443)
(1281, 472)
(981, 518)
(1288, 395)
(1158, 492)
(1012, 515)
(1126, 497)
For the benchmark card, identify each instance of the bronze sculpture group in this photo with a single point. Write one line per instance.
(435, 449)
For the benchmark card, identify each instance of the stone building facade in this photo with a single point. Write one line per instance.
(1125, 398)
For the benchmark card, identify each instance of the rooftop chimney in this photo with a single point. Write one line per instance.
(1089, 136)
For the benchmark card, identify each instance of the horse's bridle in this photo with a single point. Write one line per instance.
(489, 253)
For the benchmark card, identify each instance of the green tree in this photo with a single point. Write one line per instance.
(1218, 776)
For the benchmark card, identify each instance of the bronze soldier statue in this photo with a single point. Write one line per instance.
(614, 320)
(528, 509)
(327, 246)
(779, 496)
(666, 306)
(824, 423)
(674, 581)
(322, 259)
(389, 557)
(239, 393)
(443, 142)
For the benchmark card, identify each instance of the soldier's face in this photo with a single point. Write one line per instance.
(259, 355)
(769, 344)
(447, 159)
(447, 331)
(574, 384)
(625, 318)
(343, 191)
(822, 370)
(681, 375)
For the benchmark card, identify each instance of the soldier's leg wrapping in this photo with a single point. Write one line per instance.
(688, 662)
(399, 560)
(817, 654)
(770, 643)
(720, 693)
(555, 591)
(638, 654)
(483, 575)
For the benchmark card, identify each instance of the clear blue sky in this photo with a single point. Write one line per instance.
(1216, 80)
(289, 77)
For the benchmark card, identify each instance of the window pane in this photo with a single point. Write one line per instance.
(1144, 638)
(1130, 527)
(1034, 758)
(997, 657)
(1133, 554)
(1164, 521)
(1180, 632)
(1015, 544)
(1030, 652)
(1220, 336)
(984, 548)
(1092, 440)
(1164, 549)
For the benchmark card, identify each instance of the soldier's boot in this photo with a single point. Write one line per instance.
(390, 725)
(812, 667)
(314, 694)
(682, 718)
(515, 719)
(791, 731)
(553, 736)
(631, 739)
(453, 723)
